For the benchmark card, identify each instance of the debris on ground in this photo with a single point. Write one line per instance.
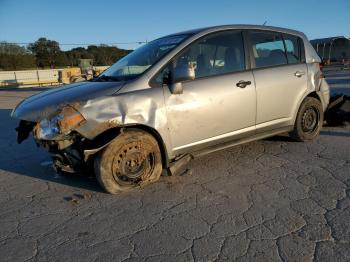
(75, 199)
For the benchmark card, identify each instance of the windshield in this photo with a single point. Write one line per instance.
(138, 61)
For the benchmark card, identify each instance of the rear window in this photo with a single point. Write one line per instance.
(292, 48)
(273, 48)
(268, 49)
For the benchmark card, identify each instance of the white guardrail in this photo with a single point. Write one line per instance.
(33, 77)
(29, 77)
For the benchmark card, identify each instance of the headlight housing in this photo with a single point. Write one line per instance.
(61, 124)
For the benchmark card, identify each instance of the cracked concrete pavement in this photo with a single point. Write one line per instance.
(270, 200)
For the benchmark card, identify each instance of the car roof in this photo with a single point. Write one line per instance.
(238, 26)
(310, 54)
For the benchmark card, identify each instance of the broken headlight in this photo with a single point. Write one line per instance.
(61, 124)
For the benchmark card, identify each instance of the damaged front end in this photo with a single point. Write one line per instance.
(76, 122)
(57, 135)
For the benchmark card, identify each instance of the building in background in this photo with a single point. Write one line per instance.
(333, 49)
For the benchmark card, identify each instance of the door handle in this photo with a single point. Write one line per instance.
(299, 74)
(243, 84)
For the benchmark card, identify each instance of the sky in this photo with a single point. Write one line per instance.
(107, 21)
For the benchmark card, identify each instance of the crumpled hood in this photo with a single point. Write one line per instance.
(47, 103)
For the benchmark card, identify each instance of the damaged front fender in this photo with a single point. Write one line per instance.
(96, 120)
(143, 107)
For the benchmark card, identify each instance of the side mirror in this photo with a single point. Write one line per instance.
(179, 74)
(176, 88)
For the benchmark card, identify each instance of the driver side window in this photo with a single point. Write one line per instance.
(215, 54)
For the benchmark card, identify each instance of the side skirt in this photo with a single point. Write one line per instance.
(232, 143)
(179, 165)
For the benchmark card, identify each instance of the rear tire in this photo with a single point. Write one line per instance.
(133, 158)
(309, 120)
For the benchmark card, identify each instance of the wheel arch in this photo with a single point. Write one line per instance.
(311, 94)
(314, 95)
(103, 139)
(298, 133)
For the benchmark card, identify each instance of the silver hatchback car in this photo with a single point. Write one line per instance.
(179, 97)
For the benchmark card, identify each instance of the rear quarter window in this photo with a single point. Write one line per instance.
(268, 48)
(293, 48)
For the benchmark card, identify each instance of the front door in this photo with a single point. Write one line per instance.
(216, 106)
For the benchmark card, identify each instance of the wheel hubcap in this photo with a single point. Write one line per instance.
(133, 164)
(310, 120)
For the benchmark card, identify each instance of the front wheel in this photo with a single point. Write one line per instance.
(131, 159)
(309, 120)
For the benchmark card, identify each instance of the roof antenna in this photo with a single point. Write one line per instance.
(265, 23)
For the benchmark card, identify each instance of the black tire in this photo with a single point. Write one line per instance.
(133, 158)
(309, 120)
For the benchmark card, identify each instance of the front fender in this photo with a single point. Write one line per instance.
(135, 108)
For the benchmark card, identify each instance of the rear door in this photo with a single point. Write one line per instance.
(280, 75)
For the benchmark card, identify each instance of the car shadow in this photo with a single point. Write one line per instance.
(280, 138)
(286, 138)
(334, 133)
(29, 160)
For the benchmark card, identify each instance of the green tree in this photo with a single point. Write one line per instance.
(101, 55)
(77, 53)
(15, 57)
(62, 60)
(106, 55)
(46, 52)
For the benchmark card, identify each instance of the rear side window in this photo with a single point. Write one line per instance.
(268, 48)
(292, 48)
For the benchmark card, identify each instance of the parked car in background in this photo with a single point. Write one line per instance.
(179, 97)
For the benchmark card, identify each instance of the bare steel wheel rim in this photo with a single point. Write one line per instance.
(310, 120)
(133, 164)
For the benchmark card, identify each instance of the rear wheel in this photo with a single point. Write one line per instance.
(309, 120)
(133, 158)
